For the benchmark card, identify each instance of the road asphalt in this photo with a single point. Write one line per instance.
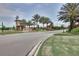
(20, 44)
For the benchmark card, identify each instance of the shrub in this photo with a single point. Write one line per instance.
(75, 30)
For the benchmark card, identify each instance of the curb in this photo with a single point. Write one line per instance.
(35, 50)
(39, 47)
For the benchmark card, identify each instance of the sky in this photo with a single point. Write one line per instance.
(8, 12)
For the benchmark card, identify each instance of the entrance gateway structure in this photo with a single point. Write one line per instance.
(21, 25)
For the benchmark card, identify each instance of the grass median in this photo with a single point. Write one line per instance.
(58, 45)
(10, 32)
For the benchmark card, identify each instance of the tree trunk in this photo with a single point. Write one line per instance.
(37, 25)
(34, 27)
(2, 27)
(43, 26)
(47, 26)
(29, 28)
(71, 25)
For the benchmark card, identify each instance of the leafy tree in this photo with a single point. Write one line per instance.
(68, 13)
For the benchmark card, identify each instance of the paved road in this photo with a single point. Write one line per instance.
(21, 44)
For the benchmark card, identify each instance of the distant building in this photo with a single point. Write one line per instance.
(20, 25)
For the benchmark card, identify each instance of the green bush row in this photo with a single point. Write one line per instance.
(75, 30)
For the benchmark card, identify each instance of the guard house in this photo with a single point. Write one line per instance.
(19, 25)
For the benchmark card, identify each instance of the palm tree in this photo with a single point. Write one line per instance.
(17, 17)
(44, 20)
(51, 23)
(47, 21)
(68, 13)
(3, 27)
(36, 18)
(24, 22)
(34, 23)
(29, 23)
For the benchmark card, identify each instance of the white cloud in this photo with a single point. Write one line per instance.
(8, 16)
(4, 11)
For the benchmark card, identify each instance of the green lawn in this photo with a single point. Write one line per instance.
(10, 32)
(60, 46)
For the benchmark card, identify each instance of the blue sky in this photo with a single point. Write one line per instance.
(8, 12)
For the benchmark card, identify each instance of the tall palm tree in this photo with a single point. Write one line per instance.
(17, 17)
(47, 21)
(24, 22)
(51, 23)
(42, 20)
(34, 23)
(68, 13)
(36, 18)
(29, 23)
(3, 27)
